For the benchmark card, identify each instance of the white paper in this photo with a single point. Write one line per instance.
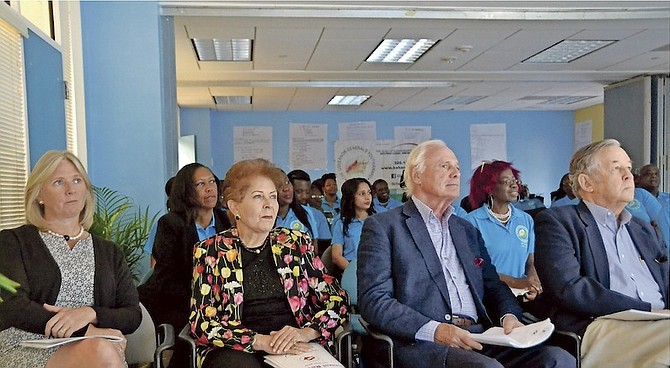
(519, 292)
(487, 142)
(318, 357)
(358, 131)
(520, 337)
(372, 160)
(252, 142)
(583, 134)
(414, 134)
(307, 146)
(51, 343)
(636, 315)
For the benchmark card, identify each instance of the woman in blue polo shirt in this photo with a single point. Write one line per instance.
(507, 231)
(355, 207)
(291, 214)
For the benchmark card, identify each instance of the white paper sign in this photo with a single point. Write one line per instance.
(358, 131)
(252, 142)
(372, 160)
(487, 142)
(583, 134)
(307, 146)
(414, 134)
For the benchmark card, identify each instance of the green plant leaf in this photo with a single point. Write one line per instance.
(118, 219)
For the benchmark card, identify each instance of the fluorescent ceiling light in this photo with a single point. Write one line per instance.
(348, 100)
(459, 100)
(222, 50)
(565, 100)
(567, 51)
(232, 100)
(400, 51)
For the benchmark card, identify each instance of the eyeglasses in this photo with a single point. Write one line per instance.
(317, 196)
(508, 182)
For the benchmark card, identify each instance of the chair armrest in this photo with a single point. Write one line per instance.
(185, 335)
(344, 337)
(378, 335)
(164, 341)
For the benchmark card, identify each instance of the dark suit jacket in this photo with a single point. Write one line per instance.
(401, 285)
(571, 261)
(167, 293)
(25, 259)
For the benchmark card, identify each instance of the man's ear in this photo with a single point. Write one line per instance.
(416, 178)
(585, 182)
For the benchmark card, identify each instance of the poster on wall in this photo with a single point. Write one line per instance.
(583, 134)
(487, 142)
(358, 131)
(252, 142)
(307, 146)
(415, 134)
(372, 160)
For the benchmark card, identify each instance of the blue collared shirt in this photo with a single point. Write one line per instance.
(629, 275)
(205, 233)
(291, 221)
(334, 209)
(322, 226)
(350, 241)
(379, 207)
(508, 245)
(460, 296)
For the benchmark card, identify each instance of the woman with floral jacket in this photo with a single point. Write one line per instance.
(259, 290)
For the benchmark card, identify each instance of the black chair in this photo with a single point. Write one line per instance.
(569, 341)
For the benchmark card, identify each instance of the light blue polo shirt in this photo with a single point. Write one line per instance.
(392, 203)
(508, 246)
(205, 233)
(322, 226)
(291, 221)
(334, 209)
(565, 201)
(349, 242)
(644, 206)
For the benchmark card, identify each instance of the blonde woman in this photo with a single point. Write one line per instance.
(72, 283)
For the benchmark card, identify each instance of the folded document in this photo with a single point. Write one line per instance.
(318, 357)
(520, 337)
(52, 343)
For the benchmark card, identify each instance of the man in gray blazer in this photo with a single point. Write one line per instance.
(595, 259)
(425, 278)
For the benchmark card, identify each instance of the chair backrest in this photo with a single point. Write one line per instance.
(350, 282)
(141, 344)
(327, 259)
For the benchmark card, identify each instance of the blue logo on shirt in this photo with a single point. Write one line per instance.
(296, 225)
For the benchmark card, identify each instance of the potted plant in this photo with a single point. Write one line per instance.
(118, 219)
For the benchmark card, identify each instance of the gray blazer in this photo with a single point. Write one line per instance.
(401, 285)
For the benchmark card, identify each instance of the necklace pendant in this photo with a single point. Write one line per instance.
(66, 237)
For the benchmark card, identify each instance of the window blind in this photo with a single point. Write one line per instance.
(13, 149)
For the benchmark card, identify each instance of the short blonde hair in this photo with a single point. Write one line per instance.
(416, 162)
(584, 162)
(241, 175)
(43, 169)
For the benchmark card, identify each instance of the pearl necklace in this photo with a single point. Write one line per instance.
(68, 237)
(503, 218)
(255, 250)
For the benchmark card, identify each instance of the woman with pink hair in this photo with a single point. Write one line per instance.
(507, 231)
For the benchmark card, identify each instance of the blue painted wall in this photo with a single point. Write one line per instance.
(45, 107)
(538, 143)
(122, 77)
(196, 122)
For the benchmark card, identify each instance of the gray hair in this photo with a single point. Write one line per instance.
(584, 161)
(416, 162)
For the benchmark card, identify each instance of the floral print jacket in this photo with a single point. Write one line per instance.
(316, 298)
